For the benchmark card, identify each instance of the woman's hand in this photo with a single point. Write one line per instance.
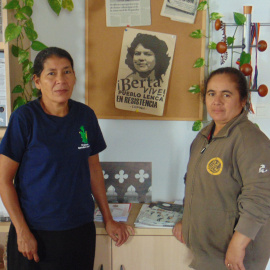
(177, 232)
(27, 245)
(119, 232)
(236, 252)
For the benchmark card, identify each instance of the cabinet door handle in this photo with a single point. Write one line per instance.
(101, 267)
(122, 267)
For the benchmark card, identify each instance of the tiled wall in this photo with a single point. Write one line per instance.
(128, 181)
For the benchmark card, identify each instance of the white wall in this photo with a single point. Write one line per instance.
(261, 14)
(164, 143)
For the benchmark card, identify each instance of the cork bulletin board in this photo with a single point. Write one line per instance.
(103, 48)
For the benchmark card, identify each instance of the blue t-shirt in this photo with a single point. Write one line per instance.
(53, 179)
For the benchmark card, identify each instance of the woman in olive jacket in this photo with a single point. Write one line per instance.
(226, 221)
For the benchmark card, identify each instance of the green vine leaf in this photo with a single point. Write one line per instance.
(29, 24)
(30, 33)
(36, 92)
(197, 125)
(212, 45)
(196, 34)
(17, 89)
(29, 3)
(14, 4)
(20, 16)
(215, 15)
(199, 63)
(245, 58)
(27, 66)
(27, 77)
(19, 101)
(68, 4)
(15, 50)
(27, 10)
(38, 46)
(239, 18)
(56, 5)
(12, 32)
(194, 89)
(23, 56)
(202, 5)
(230, 40)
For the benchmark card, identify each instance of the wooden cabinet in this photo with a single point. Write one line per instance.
(151, 252)
(104, 251)
(148, 249)
(142, 253)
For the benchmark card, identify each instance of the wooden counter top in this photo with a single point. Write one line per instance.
(4, 226)
(135, 209)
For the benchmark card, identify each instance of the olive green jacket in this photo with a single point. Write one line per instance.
(228, 188)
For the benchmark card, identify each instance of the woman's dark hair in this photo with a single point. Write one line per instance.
(236, 76)
(43, 55)
(157, 46)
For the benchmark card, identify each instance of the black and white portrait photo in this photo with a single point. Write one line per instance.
(144, 71)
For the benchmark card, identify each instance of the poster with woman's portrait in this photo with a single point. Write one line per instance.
(144, 71)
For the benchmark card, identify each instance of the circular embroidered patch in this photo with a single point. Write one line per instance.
(215, 166)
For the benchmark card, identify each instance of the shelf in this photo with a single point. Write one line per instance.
(2, 131)
(2, 45)
(100, 229)
(135, 209)
(4, 227)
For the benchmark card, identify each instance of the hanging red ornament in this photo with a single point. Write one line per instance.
(218, 24)
(221, 47)
(262, 90)
(262, 45)
(246, 69)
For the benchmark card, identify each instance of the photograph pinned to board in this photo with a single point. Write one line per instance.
(180, 10)
(128, 13)
(144, 71)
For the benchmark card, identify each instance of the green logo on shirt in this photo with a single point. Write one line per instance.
(83, 133)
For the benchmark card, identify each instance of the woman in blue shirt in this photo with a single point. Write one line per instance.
(51, 147)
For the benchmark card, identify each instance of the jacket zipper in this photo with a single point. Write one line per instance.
(202, 151)
(190, 201)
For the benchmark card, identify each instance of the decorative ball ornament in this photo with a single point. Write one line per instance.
(246, 69)
(262, 90)
(221, 47)
(262, 45)
(218, 24)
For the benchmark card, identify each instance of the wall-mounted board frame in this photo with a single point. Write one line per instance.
(102, 54)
